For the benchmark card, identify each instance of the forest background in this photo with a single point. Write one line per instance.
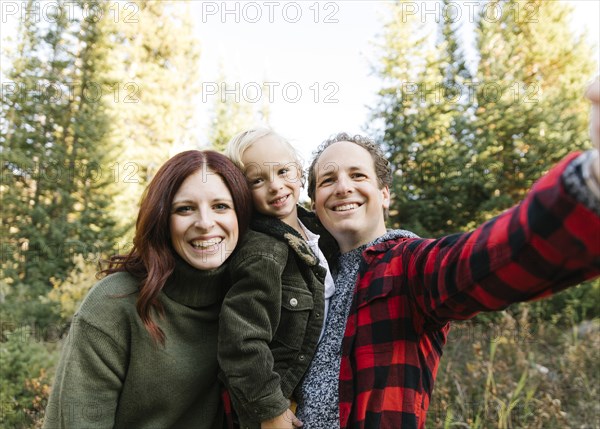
(472, 101)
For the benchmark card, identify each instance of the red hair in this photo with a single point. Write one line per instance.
(152, 258)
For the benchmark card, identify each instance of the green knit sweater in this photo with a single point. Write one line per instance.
(112, 374)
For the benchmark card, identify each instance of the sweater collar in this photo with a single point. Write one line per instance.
(195, 288)
(276, 228)
(383, 243)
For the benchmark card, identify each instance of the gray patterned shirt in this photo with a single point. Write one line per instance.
(317, 395)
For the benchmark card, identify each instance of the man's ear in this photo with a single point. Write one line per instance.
(385, 193)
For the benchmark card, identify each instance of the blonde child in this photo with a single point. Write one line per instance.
(273, 315)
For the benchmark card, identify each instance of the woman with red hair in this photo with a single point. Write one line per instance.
(142, 349)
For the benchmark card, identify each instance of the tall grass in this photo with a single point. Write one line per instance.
(512, 374)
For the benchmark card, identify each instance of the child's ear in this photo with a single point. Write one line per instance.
(312, 206)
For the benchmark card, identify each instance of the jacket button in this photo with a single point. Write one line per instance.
(318, 315)
(293, 302)
(301, 357)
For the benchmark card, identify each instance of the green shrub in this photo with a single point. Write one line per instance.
(27, 368)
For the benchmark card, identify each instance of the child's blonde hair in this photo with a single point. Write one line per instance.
(242, 141)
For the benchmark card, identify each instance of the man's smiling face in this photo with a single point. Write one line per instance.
(348, 200)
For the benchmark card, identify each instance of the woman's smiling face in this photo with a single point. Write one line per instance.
(203, 223)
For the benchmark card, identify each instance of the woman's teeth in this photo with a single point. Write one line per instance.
(204, 244)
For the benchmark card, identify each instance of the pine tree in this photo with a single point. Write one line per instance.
(466, 149)
(90, 145)
(19, 104)
(425, 130)
(155, 69)
(54, 133)
(34, 159)
(531, 76)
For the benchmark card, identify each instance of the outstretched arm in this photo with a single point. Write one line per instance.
(548, 242)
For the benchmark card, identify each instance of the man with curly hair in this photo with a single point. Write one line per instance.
(395, 293)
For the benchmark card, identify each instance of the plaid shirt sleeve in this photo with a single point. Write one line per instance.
(539, 247)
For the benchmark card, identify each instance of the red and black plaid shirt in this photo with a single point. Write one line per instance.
(409, 289)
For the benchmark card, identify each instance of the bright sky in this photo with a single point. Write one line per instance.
(314, 55)
(319, 71)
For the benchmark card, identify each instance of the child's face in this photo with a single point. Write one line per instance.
(275, 178)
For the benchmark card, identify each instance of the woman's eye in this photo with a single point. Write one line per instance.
(256, 181)
(221, 206)
(326, 181)
(183, 209)
(283, 171)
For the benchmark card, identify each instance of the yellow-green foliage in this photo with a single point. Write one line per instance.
(70, 292)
